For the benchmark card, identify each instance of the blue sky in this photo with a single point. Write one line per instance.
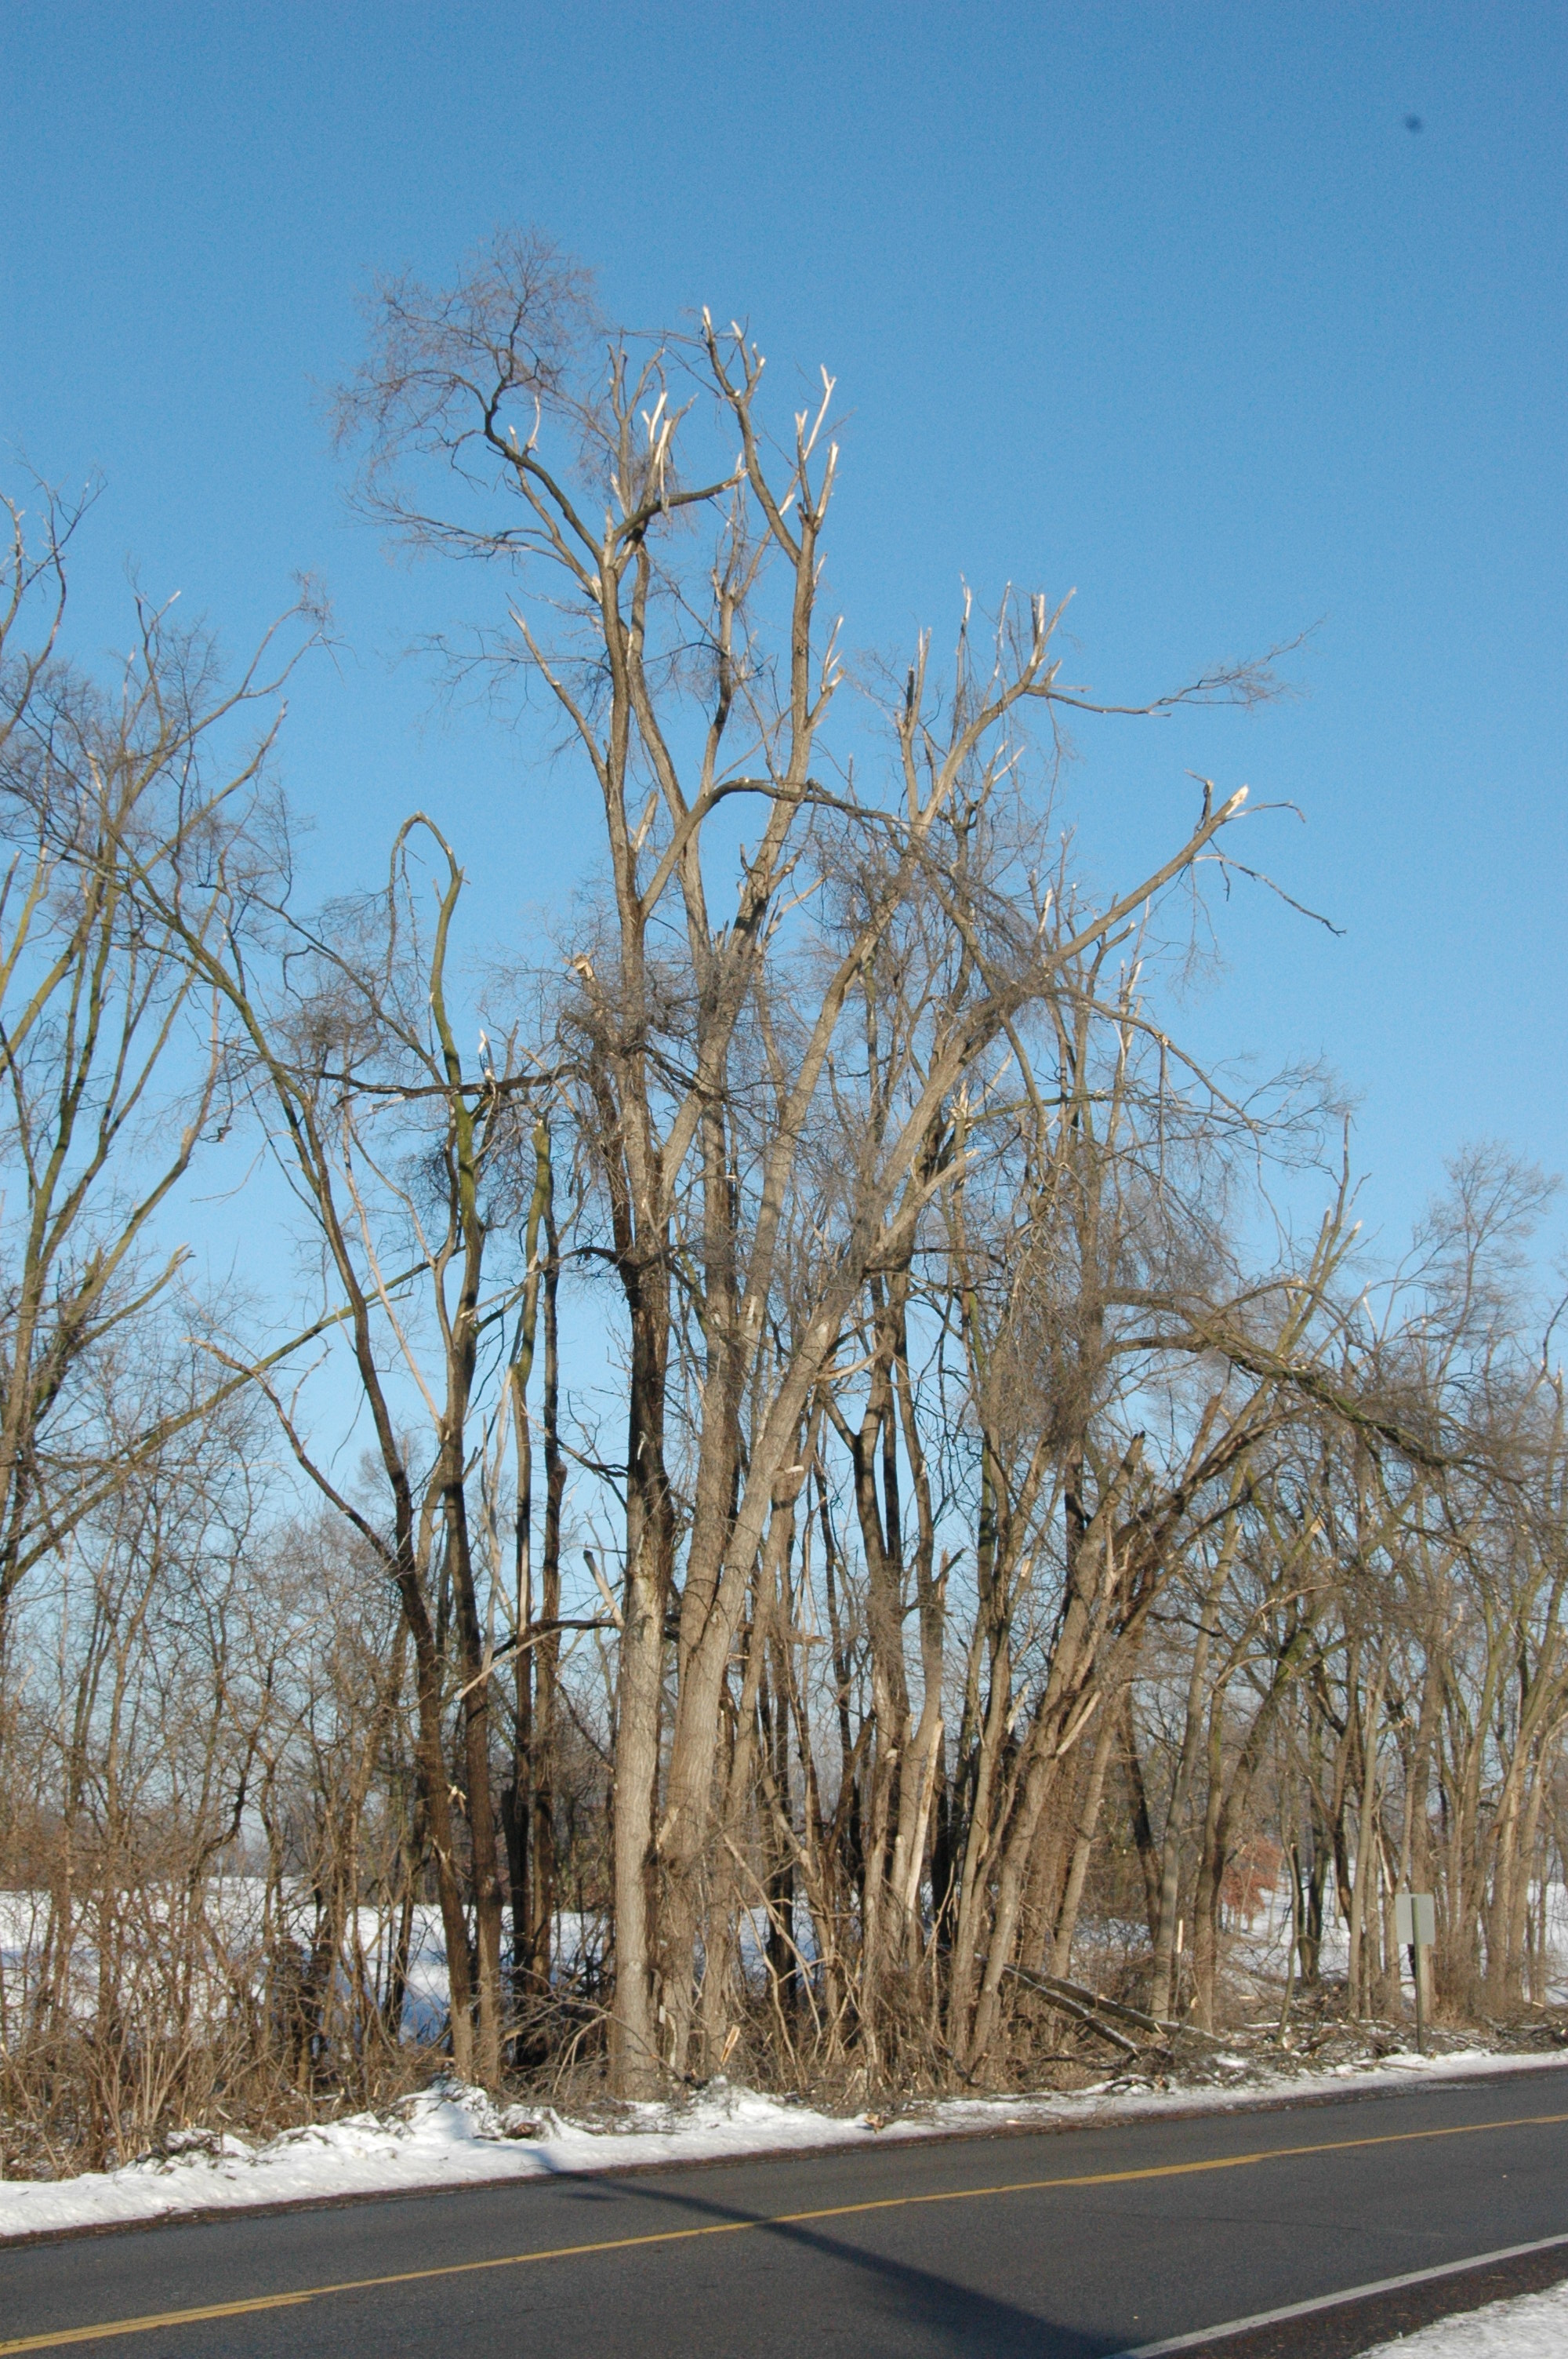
(1165, 303)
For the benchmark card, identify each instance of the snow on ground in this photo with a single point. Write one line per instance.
(1535, 2326)
(1260, 1942)
(229, 1937)
(451, 2136)
(232, 1932)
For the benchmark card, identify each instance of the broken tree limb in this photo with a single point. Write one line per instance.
(1068, 2003)
(1090, 2004)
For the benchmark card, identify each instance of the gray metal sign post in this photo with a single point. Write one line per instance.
(1415, 1928)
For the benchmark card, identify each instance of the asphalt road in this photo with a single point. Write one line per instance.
(1062, 2247)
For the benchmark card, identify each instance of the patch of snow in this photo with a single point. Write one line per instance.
(1533, 2326)
(449, 2136)
(232, 1929)
(1259, 1940)
(452, 2137)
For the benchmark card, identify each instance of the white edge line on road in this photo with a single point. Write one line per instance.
(1336, 2300)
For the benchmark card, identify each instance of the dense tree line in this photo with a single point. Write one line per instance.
(783, 1476)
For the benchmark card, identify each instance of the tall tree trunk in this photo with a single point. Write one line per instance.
(635, 2061)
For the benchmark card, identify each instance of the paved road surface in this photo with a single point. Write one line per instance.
(1064, 2246)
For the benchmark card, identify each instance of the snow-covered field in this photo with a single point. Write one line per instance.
(451, 2136)
(1261, 1943)
(234, 1934)
(230, 1941)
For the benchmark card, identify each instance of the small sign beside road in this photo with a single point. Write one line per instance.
(1415, 1928)
(1415, 1919)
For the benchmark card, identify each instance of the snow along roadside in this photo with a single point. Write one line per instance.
(453, 2137)
(1531, 2326)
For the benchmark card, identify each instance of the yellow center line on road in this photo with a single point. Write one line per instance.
(57, 2338)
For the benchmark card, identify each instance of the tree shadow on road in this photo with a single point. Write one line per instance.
(919, 2310)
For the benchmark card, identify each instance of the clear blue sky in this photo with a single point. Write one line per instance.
(1164, 302)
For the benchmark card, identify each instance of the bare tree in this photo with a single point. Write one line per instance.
(590, 485)
(131, 826)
